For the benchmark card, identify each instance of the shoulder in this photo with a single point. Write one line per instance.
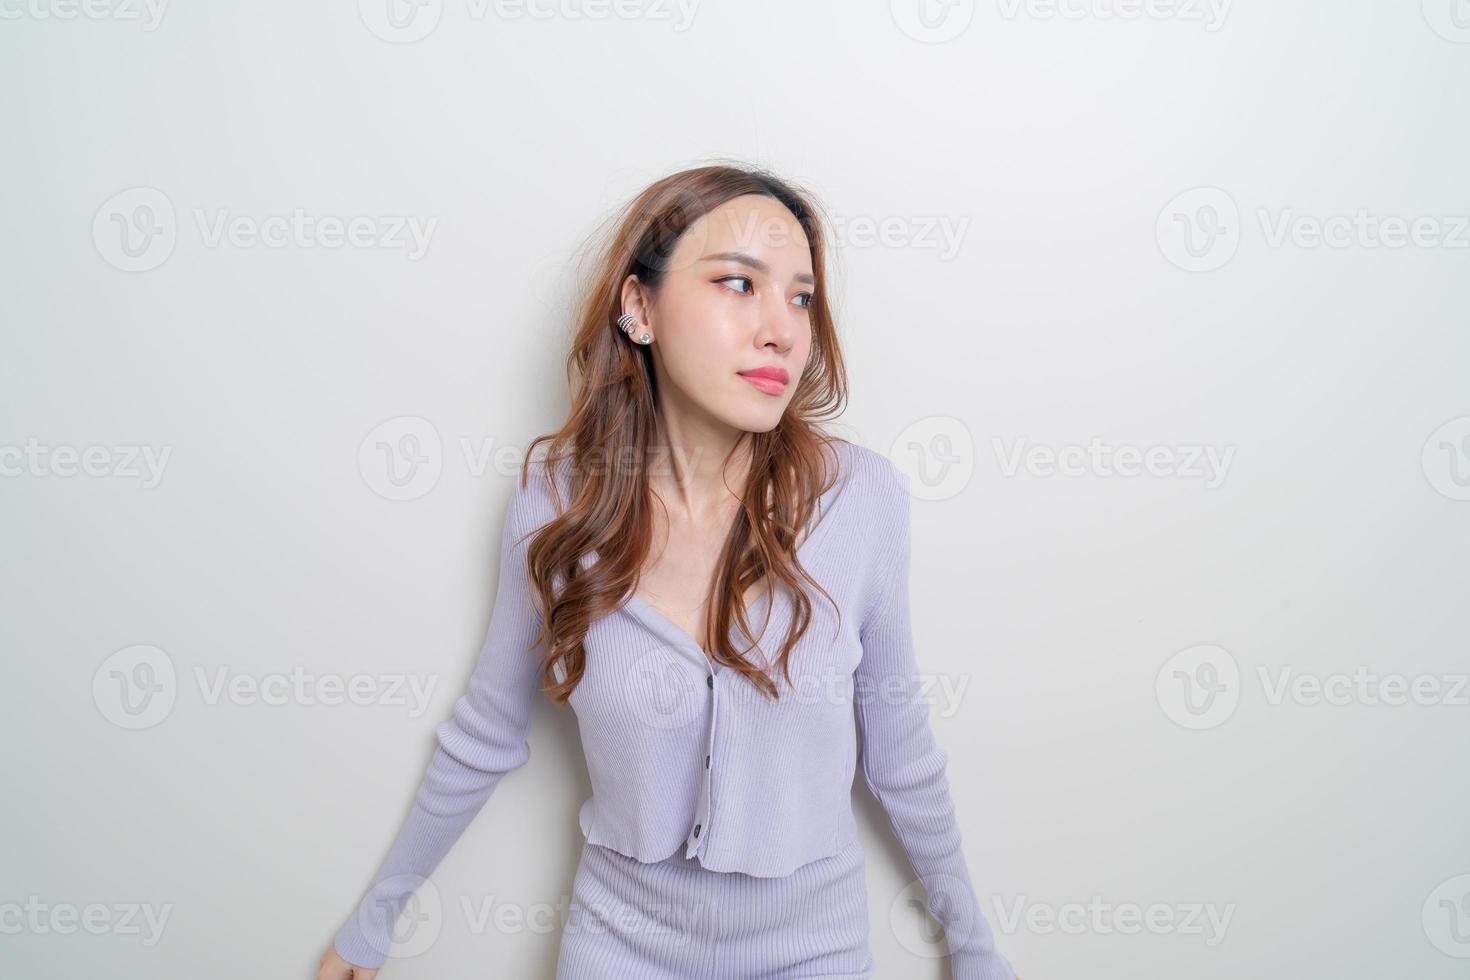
(540, 488)
(873, 478)
(881, 488)
(864, 475)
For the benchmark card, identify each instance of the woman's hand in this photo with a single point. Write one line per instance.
(334, 967)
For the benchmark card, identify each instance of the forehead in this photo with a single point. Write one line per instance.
(752, 223)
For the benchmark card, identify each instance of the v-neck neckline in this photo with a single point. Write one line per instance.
(661, 623)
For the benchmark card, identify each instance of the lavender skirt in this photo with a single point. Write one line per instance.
(676, 920)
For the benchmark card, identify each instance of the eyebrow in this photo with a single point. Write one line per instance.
(754, 263)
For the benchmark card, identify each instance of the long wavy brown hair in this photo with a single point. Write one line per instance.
(613, 429)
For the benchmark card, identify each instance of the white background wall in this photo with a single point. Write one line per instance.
(1119, 737)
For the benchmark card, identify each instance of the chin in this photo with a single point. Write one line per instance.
(756, 421)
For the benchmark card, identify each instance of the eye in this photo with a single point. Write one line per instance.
(744, 279)
(748, 284)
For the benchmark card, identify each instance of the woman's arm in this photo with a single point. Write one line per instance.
(485, 739)
(904, 765)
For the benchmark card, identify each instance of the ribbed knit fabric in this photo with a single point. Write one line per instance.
(689, 763)
(676, 920)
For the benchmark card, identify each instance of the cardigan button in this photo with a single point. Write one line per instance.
(706, 762)
(696, 829)
(710, 680)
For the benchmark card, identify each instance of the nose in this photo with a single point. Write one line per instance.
(777, 327)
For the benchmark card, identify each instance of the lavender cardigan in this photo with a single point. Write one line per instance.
(683, 756)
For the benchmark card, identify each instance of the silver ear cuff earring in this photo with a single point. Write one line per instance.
(627, 323)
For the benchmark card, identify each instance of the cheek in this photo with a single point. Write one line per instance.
(802, 349)
(710, 340)
(703, 351)
(697, 322)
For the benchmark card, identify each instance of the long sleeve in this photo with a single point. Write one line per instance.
(904, 765)
(485, 739)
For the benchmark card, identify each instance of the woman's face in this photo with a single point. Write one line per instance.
(734, 301)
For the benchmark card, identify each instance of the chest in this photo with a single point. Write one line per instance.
(678, 584)
(677, 578)
(643, 666)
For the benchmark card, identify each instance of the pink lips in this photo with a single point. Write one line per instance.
(771, 380)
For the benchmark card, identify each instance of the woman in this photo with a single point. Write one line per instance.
(690, 494)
